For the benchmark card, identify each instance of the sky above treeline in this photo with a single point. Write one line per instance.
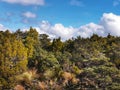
(62, 18)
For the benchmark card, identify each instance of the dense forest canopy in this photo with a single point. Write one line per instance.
(33, 61)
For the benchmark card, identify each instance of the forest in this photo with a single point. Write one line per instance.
(32, 61)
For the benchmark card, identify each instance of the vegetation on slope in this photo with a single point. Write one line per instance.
(34, 62)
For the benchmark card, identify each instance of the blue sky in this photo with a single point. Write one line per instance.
(74, 14)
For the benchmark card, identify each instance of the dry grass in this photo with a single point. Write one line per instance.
(19, 87)
(42, 85)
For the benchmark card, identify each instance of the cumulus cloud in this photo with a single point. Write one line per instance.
(88, 30)
(109, 23)
(57, 30)
(76, 3)
(29, 15)
(26, 2)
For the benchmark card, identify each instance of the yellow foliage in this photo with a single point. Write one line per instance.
(27, 76)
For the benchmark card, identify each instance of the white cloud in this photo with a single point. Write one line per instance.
(29, 15)
(2, 28)
(109, 23)
(57, 30)
(76, 3)
(26, 2)
(88, 30)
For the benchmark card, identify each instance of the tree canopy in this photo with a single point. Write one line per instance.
(33, 61)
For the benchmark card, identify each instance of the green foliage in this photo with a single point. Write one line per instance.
(13, 58)
(45, 41)
(57, 45)
(75, 64)
(30, 41)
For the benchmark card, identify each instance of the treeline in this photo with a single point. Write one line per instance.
(34, 62)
